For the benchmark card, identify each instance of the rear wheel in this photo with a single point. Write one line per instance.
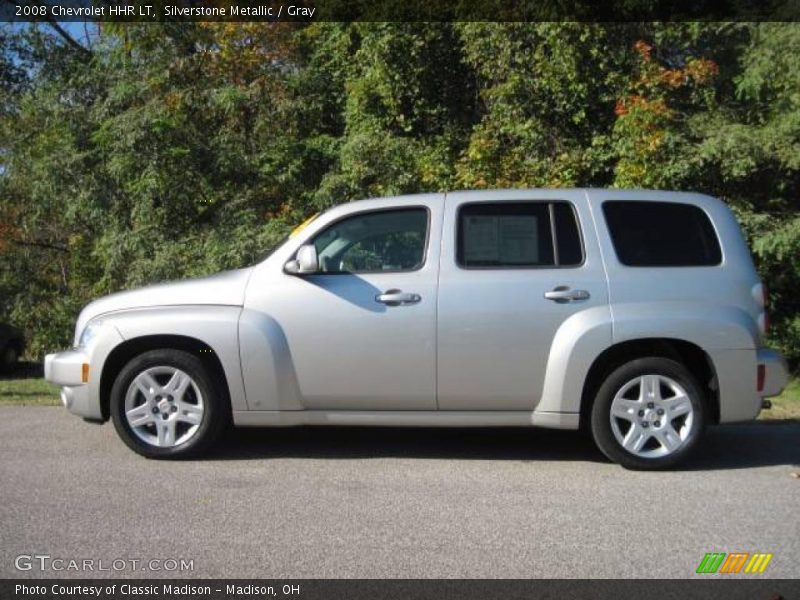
(648, 414)
(165, 405)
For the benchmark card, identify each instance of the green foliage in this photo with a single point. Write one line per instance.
(786, 406)
(546, 91)
(174, 150)
(407, 110)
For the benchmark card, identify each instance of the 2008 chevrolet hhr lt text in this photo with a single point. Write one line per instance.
(636, 314)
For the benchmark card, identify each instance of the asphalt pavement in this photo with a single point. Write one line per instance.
(390, 503)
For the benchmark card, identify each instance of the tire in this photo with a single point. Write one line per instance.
(8, 358)
(165, 405)
(644, 394)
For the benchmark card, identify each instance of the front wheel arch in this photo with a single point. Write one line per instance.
(166, 405)
(123, 353)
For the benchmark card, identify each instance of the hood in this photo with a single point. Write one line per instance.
(224, 289)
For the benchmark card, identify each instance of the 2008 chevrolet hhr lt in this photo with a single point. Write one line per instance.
(637, 314)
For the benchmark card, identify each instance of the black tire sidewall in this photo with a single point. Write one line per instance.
(600, 415)
(214, 404)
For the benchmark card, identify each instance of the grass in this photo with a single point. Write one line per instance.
(35, 391)
(785, 407)
(28, 392)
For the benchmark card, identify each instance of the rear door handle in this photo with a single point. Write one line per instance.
(562, 294)
(397, 298)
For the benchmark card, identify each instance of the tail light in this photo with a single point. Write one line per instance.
(761, 374)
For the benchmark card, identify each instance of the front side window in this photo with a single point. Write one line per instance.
(661, 234)
(507, 235)
(390, 240)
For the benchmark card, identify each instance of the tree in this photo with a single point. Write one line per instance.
(178, 149)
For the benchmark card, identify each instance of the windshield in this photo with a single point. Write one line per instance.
(271, 249)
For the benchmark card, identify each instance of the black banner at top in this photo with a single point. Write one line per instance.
(307, 11)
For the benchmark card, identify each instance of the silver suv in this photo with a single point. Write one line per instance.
(635, 314)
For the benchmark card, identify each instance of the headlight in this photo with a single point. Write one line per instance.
(89, 333)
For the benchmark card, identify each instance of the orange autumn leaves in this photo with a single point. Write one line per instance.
(650, 115)
(246, 53)
(654, 81)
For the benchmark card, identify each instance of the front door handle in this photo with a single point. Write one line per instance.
(397, 298)
(562, 294)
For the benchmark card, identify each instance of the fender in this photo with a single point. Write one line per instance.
(711, 327)
(722, 332)
(267, 365)
(80, 399)
(215, 326)
(579, 340)
(728, 334)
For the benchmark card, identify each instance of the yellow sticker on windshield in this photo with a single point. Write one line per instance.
(303, 225)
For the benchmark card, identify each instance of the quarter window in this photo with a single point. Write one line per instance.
(661, 234)
(391, 240)
(518, 235)
(568, 239)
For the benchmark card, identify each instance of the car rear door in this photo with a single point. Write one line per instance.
(515, 267)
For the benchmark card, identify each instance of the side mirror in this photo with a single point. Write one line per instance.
(305, 263)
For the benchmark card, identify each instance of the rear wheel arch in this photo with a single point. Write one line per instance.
(690, 355)
(123, 353)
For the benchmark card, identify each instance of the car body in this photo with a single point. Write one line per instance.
(12, 345)
(472, 308)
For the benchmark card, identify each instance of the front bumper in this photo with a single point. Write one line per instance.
(776, 373)
(66, 370)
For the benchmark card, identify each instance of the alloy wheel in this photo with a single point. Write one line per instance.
(652, 416)
(164, 406)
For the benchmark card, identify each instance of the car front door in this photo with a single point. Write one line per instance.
(359, 334)
(515, 267)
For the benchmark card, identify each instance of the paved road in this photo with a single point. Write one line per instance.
(395, 503)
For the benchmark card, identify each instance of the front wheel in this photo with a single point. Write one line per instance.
(165, 405)
(648, 414)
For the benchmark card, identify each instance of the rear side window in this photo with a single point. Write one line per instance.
(518, 235)
(661, 234)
